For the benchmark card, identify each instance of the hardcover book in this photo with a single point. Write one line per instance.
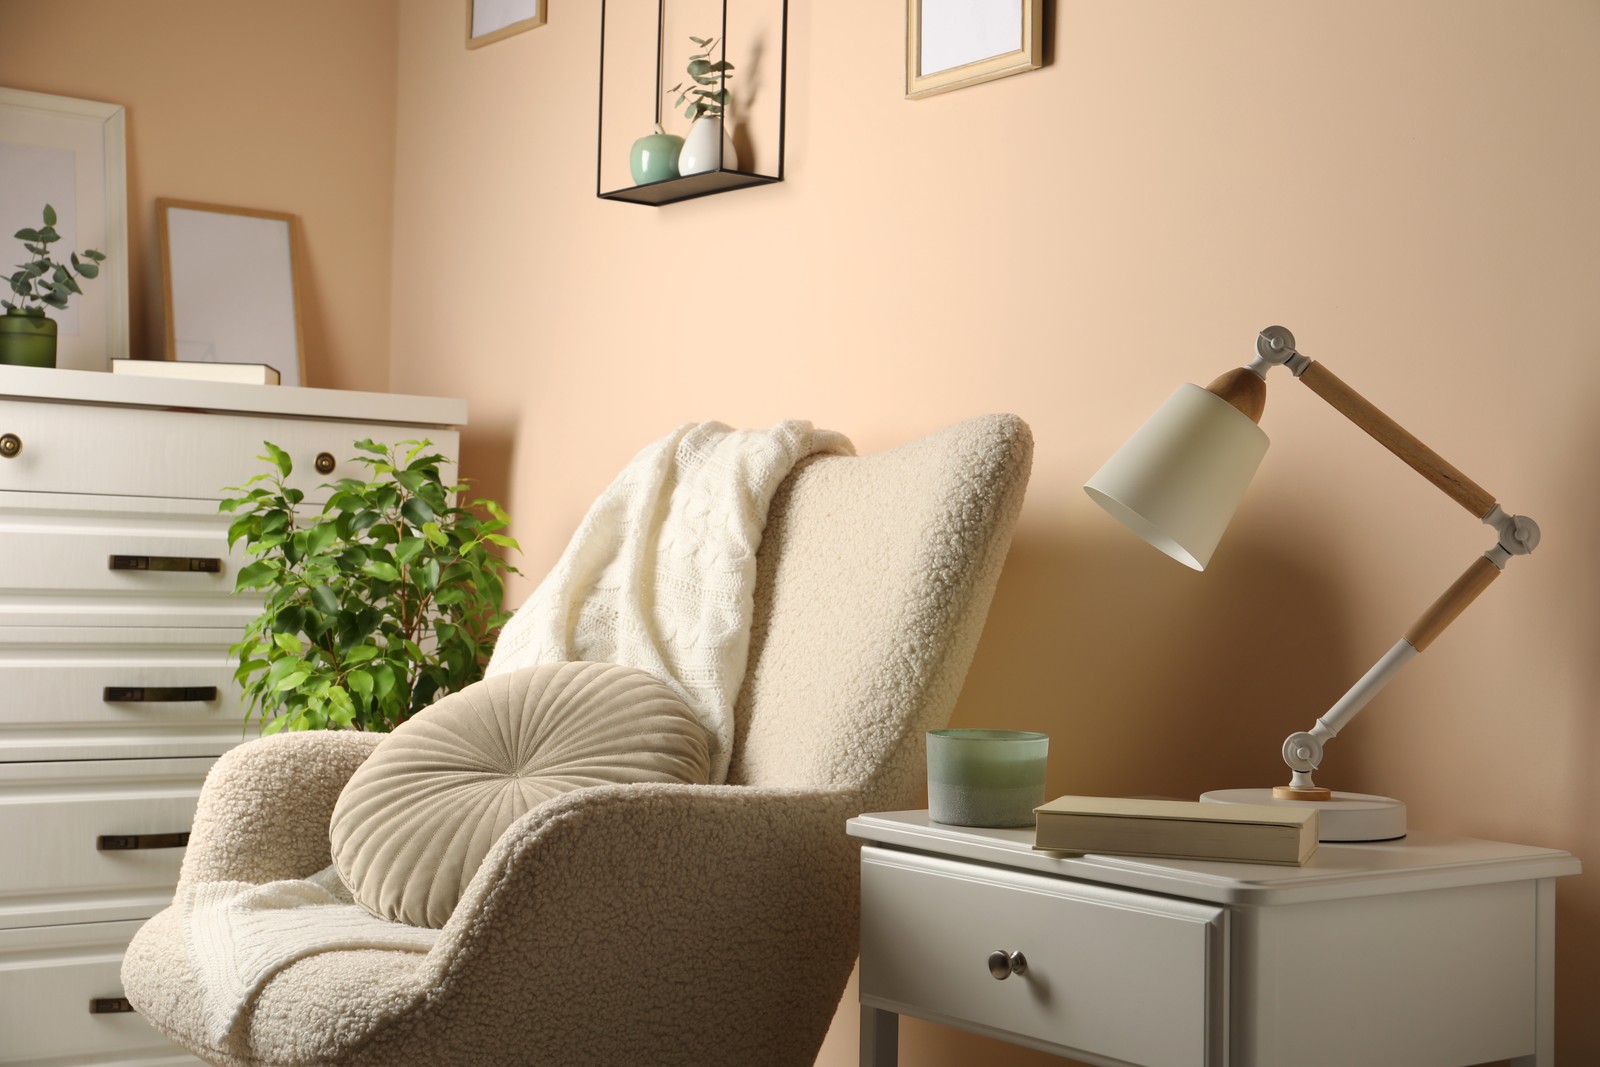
(1178, 829)
(194, 370)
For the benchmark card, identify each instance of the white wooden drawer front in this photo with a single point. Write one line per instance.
(79, 448)
(1112, 974)
(117, 692)
(100, 560)
(49, 979)
(93, 840)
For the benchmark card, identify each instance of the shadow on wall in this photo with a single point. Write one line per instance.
(1153, 679)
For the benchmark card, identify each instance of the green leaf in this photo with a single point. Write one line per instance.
(256, 575)
(361, 654)
(384, 572)
(360, 681)
(49, 215)
(366, 445)
(292, 680)
(27, 235)
(416, 511)
(288, 643)
(278, 458)
(325, 598)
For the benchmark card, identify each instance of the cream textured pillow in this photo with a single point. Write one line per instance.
(418, 817)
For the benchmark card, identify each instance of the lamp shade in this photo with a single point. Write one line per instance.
(1178, 479)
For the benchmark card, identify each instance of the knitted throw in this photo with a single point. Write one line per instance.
(661, 572)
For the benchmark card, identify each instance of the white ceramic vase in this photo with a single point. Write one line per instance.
(699, 152)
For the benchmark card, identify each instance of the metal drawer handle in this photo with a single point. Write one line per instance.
(1003, 964)
(109, 1006)
(128, 842)
(202, 564)
(325, 463)
(144, 694)
(10, 445)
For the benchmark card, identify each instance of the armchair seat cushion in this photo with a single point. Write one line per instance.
(416, 820)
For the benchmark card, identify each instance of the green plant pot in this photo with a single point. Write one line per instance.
(27, 341)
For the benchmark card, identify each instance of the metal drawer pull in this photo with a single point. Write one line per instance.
(324, 463)
(202, 564)
(128, 842)
(109, 1005)
(144, 694)
(10, 445)
(1003, 964)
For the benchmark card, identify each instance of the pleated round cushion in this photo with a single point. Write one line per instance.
(417, 818)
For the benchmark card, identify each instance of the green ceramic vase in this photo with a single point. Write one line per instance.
(655, 157)
(27, 340)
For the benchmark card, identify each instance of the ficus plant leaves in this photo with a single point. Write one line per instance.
(374, 605)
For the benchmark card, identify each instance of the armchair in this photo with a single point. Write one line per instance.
(654, 924)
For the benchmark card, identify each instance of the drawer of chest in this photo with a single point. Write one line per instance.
(104, 559)
(93, 840)
(117, 692)
(1110, 973)
(61, 995)
(74, 448)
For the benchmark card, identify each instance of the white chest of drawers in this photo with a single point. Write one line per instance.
(1431, 950)
(116, 696)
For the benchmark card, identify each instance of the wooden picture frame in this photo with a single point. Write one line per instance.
(72, 155)
(951, 44)
(231, 283)
(493, 20)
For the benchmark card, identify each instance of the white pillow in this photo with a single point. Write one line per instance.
(417, 818)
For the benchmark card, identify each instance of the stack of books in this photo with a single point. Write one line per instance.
(1178, 829)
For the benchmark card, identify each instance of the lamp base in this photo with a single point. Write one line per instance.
(1345, 816)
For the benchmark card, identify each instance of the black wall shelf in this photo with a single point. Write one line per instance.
(627, 103)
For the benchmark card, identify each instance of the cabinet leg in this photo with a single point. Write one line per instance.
(880, 1037)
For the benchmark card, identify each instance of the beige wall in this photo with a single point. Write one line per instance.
(286, 106)
(1409, 187)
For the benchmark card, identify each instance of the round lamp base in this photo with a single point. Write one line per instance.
(1345, 816)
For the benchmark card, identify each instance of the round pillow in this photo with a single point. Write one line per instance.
(417, 818)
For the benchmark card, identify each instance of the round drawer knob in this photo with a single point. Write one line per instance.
(324, 463)
(10, 445)
(1003, 964)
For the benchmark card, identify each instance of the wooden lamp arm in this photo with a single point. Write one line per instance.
(1516, 535)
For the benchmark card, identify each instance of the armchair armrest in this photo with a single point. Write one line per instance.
(622, 897)
(265, 806)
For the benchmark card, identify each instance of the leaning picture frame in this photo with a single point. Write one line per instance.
(951, 44)
(232, 285)
(494, 20)
(72, 155)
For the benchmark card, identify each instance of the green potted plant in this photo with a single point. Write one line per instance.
(704, 99)
(386, 600)
(27, 335)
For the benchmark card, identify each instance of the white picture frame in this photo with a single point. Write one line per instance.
(951, 44)
(494, 20)
(231, 285)
(71, 154)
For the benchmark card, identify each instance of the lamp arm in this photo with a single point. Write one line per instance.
(1516, 535)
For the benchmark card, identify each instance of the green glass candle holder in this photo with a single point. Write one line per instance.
(985, 777)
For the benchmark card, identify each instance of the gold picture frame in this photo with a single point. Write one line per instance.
(232, 286)
(494, 20)
(951, 44)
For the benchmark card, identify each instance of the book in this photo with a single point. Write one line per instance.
(1178, 829)
(193, 370)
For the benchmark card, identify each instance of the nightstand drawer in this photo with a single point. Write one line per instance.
(50, 978)
(93, 840)
(91, 692)
(1112, 973)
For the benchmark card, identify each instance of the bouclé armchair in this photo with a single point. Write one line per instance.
(657, 924)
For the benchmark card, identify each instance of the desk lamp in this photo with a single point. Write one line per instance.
(1176, 483)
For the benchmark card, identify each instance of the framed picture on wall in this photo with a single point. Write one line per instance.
(951, 44)
(231, 285)
(492, 20)
(71, 155)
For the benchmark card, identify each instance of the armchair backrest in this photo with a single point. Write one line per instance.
(874, 577)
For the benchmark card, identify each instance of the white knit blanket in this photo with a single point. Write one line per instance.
(238, 935)
(661, 572)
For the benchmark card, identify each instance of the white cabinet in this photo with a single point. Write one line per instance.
(1430, 950)
(116, 695)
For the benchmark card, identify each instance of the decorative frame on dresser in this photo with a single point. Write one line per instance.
(116, 693)
(1430, 949)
